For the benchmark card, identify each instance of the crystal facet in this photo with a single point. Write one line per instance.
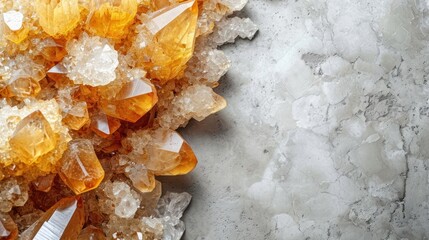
(33, 137)
(104, 125)
(8, 229)
(81, 170)
(173, 30)
(64, 220)
(169, 154)
(134, 100)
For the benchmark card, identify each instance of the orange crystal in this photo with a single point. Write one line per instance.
(174, 31)
(33, 137)
(91, 233)
(104, 126)
(58, 17)
(44, 183)
(119, 14)
(77, 116)
(134, 100)
(8, 228)
(80, 168)
(62, 221)
(170, 154)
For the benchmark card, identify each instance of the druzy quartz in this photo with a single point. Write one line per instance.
(91, 95)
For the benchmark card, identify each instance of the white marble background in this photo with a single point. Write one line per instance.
(326, 135)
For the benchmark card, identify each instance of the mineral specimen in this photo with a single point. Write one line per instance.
(91, 95)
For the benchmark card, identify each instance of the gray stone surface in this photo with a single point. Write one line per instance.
(326, 132)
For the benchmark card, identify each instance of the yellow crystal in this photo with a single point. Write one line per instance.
(80, 168)
(134, 100)
(174, 31)
(58, 17)
(169, 154)
(119, 14)
(33, 137)
(62, 221)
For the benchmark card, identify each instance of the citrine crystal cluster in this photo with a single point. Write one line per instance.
(91, 95)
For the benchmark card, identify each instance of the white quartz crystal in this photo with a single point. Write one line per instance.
(170, 209)
(91, 61)
(13, 20)
(124, 200)
(228, 29)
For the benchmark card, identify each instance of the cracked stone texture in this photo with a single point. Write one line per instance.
(326, 135)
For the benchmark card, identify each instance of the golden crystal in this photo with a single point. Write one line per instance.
(58, 17)
(174, 31)
(118, 13)
(133, 101)
(80, 168)
(33, 137)
(170, 154)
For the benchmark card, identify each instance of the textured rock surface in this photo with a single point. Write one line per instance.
(326, 130)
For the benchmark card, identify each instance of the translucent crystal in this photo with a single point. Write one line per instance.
(207, 67)
(22, 77)
(124, 200)
(13, 192)
(33, 137)
(197, 101)
(91, 233)
(104, 125)
(14, 29)
(21, 154)
(230, 28)
(58, 18)
(64, 220)
(80, 168)
(51, 50)
(170, 208)
(233, 5)
(142, 179)
(91, 61)
(75, 112)
(134, 100)
(119, 15)
(169, 154)
(167, 40)
(44, 183)
(8, 228)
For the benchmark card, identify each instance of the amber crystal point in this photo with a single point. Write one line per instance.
(64, 220)
(81, 170)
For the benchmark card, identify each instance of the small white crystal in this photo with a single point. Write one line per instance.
(170, 208)
(13, 20)
(228, 29)
(91, 61)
